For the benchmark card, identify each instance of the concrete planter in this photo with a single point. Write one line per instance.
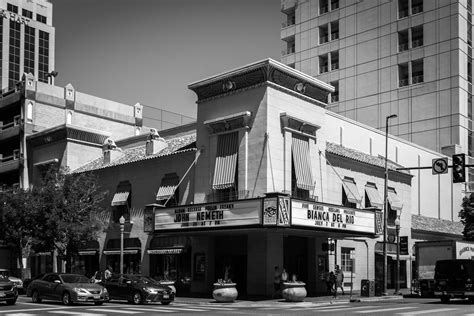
(170, 284)
(224, 292)
(294, 291)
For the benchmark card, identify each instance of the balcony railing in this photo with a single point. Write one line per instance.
(323, 69)
(403, 47)
(417, 79)
(417, 42)
(323, 39)
(334, 36)
(16, 122)
(334, 65)
(288, 51)
(417, 9)
(287, 23)
(403, 82)
(402, 14)
(14, 156)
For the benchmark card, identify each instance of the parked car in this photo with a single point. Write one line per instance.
(17, 281)
(454, 279)
(27, 282)
(8, 291)
(68, 288)
(138, 289)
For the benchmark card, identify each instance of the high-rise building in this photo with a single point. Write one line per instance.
(27, 41)
(412, 58)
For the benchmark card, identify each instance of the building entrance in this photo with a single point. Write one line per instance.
(231, 253)
(295, 257)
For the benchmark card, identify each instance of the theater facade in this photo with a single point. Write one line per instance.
(265, 177)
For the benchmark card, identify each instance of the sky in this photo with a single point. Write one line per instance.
(148, 51)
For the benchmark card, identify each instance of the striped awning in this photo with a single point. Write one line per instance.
(302, 162)
(168, 186)
(374, 196)
(226, 161)
(351, 190)
(394, 201)
(125, 252)
(166, 251)
(121, 194)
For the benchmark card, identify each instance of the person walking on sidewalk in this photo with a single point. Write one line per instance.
(276, 282)
(339, 280)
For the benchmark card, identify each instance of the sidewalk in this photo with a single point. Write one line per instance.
(308, 301)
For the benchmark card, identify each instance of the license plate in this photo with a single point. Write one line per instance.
(97, 297)
(166, 296)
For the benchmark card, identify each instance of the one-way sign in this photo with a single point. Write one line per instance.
(440, 165)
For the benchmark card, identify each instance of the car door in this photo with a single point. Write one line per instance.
(111, 286)
(41, 285)
(56, 287)
(125, 288)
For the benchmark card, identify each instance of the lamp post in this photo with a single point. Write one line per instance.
(397, 272)
(385, 206)
(122, 225)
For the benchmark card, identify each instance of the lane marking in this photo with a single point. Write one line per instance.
(186, 309)
(383, 310)
(150, 309)
(440, 310)
(114, 311)
(75, 313)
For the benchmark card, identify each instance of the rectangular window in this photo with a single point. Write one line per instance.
(27, 13)
(347, 264)
(29, 62)
(41, 18)
(323, 34)
(14, 54)
(121, 201)
(335, 60)
(335, 94)
(334, 30)
(226, 167)
(416, 6)
(302, 177)
(43, 56)
(168, 193)
(394, 206)
(334, 4)
(402, 8)
(12, 8)
(417, 71)
(403, 40)
(323, 6)
(290, 18)
(372, 196)
(403, 75)
(323, 64)
(417, 36)
(350, 193)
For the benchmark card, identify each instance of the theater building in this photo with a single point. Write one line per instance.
(265, 177)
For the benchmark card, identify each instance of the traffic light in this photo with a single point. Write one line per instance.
(459, 169)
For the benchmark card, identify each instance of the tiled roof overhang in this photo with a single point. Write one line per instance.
(433, 226)
(268, 72)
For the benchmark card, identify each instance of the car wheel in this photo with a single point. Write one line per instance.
(165, 303)
(35, 297)
(98, 303)
(67, 299)
(445, 299)
(137, 298)
(11, 302)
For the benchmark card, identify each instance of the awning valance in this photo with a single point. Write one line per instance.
(394, 201)
(302, 162)
(351, 190)
(168, 186)
(122, 194)
(87, 252)
(374, 196)
(125, 252)
(226, 161)
(166, 251)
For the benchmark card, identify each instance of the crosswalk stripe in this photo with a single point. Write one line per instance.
(217, 307)
(115, 311)
(186, 309)
(142, 309)
(383, 310)
(440, 310)
(75, 313)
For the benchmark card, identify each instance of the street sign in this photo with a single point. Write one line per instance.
(439, 165)
(404, 245)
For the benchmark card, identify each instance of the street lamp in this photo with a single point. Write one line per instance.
(397, 272)
(385, 206)
(122, 225)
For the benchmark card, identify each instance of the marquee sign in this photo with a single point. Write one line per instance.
(332, 217)
(14, 17)
(225, 214)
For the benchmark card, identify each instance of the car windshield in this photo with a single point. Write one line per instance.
(74, 278)
(142, 279)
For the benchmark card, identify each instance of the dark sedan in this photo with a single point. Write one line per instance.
(137, 289)
(68, 288)
(8, 291)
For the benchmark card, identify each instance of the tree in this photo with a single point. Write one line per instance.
(73, 212)
(467, 217)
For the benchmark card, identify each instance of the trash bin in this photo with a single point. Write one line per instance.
(367, 288)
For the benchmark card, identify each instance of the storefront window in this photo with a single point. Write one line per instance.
(347, 263)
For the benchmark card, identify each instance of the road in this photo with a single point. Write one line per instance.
(402, 307)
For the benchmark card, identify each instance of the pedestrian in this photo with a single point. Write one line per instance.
(332, 282)
(339, 279)
(328, 281)
(96, 278)
(108, 273)
(284, 276)
(276, 282)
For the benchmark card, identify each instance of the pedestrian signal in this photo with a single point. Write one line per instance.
(459, 170)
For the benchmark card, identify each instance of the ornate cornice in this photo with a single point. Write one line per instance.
(266, 71)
